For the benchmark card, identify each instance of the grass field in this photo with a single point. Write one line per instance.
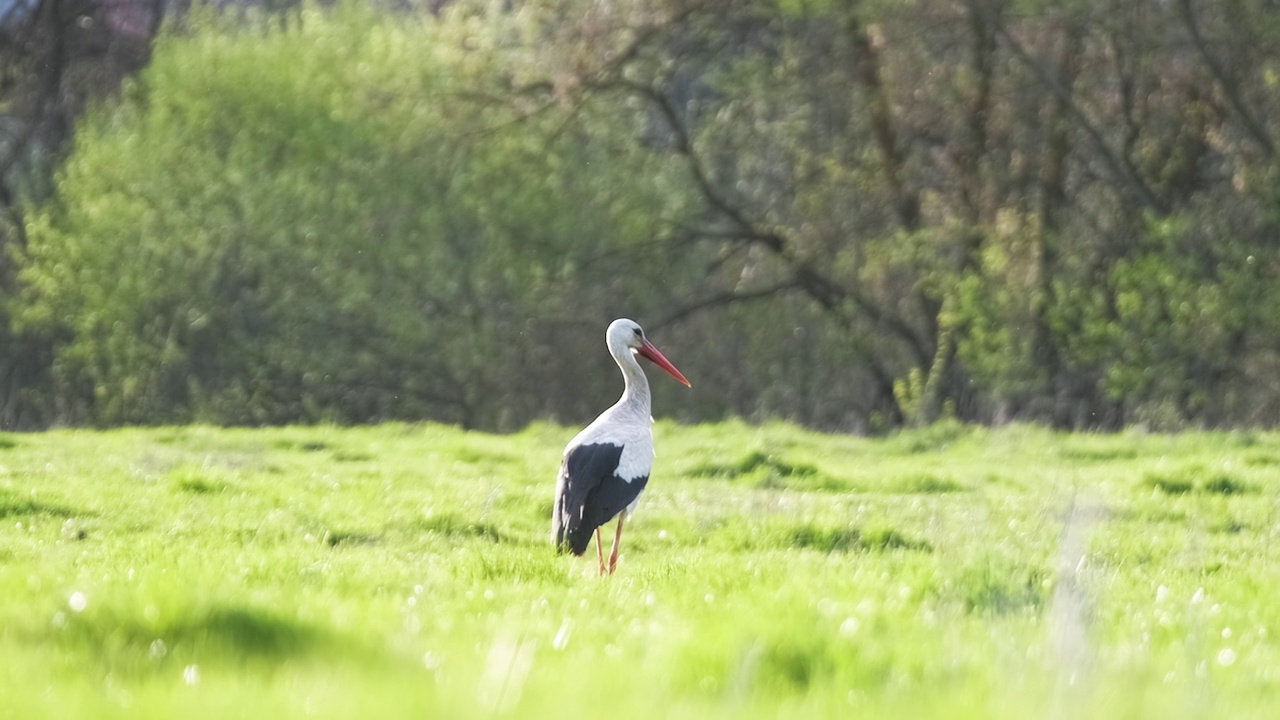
(406, 571)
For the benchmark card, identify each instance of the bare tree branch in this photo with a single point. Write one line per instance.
(724, 298)
(826, 292)
(1119, 165)
(1228, 84)
(867, 70)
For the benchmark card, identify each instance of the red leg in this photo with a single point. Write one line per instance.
(617, 541)
(599, 550)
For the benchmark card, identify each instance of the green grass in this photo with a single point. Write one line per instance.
(405, 571)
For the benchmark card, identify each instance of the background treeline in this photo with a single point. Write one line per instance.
(856, 215)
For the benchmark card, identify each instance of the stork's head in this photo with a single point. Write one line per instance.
(625, 335)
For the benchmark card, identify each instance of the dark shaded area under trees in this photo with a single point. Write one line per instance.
(854, 215)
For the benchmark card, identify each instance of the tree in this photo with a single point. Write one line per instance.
(856, 215)
(332, 218)
(56, 57)
(968, 192)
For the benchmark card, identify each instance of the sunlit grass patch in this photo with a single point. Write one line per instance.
(1196, 479)
(130, 641)
(764, 469)
(934, 438)
(502, 564)
(1223, 484)
(350, 538)
(851, 539)
(300, 445)
(197, 481)
(14, 505)
(770, 571)
(1000, 585)
(452, 525)
(1170, 484)
(794, 663)
(774, 534)
(929, 483)
(1263, 460)
(1096, 454)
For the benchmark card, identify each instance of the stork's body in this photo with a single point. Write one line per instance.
(606, 466)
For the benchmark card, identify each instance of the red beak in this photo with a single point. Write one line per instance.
(648, 351)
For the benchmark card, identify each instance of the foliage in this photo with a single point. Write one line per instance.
(858, 216)
(961, 193)
(1186, 310)
(318, 218)
(56, 56)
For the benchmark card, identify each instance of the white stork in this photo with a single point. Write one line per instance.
(607, 464)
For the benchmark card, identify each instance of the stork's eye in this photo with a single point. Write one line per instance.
(639, 333)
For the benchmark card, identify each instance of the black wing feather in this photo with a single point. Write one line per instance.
(589, 493)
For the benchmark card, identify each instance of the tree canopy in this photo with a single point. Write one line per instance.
(854, 215)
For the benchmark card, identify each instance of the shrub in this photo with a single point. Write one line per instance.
(324, 217)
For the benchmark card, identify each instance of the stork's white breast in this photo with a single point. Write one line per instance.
(633, 434)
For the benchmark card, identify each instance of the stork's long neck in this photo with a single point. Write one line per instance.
(635, 396)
